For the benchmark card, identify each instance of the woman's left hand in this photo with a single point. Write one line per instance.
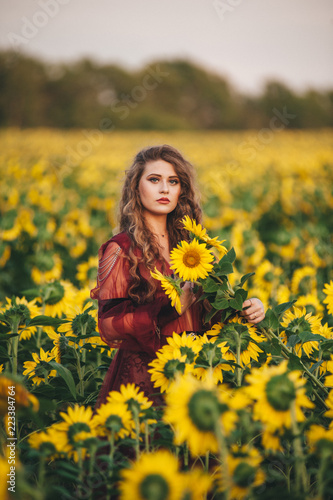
(253, 310)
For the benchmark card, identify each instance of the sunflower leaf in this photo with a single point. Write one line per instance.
(295, 363)
(270, 321)
(308, 336)
(281, 308)
(293, 340)
(45, 321)
(64, 373)
(229, 257)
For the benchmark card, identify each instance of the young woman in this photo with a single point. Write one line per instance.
(135, 315)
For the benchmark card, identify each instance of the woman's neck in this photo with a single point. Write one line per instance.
(157, 225)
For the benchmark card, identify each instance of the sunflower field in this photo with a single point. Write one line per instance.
(248, 410)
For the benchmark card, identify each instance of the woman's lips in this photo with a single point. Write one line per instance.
(163, 200)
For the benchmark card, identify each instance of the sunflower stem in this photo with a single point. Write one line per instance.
(223, 451)
(324, 461)
(14, 347)
(207, 461)
(301, 474)
(238, 359)
(186, 456)
(146, 436)
(135, 413)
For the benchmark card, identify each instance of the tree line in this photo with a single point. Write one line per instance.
(165, 95)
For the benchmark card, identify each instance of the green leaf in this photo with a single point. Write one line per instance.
(309, 336)
(294, 362)
(210, 314)
(270, 321)
(46, 321)
(224, 268)
(245, 278)
(229, 257)
(66, 375)
(315, 366)
(220, 303)
(293, 340)
(236, 303)
(210, 285)
(281, 308)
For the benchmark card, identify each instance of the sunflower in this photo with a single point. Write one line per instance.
(317, 437)
(188, 344)
(51, 443)
(274, 390)
(212, 353)
(37, 370)
(195, 409)
(171, 288)
(304, 280)
(58, 297)
(328, 290)
(153, 476)
(53, 272)
(79, 427)
(12, 388)
(311, 302)
(132, 397)
(201, 233)
(267, 276)
(165, 367)
(236, 331)
(17, 312)
(195, 484)
(243, 472)
(296, 321)
(191, 260)
(81, 322)
(114, 417)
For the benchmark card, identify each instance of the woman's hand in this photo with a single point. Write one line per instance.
(187, 297)
(253, 310)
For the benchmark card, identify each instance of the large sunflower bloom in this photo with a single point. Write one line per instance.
(81, 322)
(274, 390)
(154, 475)
(212, 353)
(36, 370)
(172, 290)
(195, 409)
(296, 321)
(328, 290)
(191, 260)
(52, 442)
(201, 233)
(59, 297)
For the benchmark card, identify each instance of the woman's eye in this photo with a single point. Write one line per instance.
(153, 179)
(174, 182)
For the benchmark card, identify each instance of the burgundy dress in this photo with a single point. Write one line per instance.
(137, 330)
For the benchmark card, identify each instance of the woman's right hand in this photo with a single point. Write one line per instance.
(187, 297)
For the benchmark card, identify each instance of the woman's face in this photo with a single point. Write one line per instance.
(159, 188)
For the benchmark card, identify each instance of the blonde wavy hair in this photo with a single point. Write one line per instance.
(131, 219)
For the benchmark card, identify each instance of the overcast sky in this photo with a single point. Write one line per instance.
(248, 41)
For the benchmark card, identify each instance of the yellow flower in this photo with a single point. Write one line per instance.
(81, 322)
(243, 466)
(132, 396)
(201, 233)
(296, 321)
(45, 276)
(87, 271)
(195, 409)
(36, 370)
(191, 260)
(172, 290)
(51, 443)
(113, 417)
(60, 297)
(300, 275)
(328, 290)
(165, 367)
(195, 484)
(212, 353)
(154, 475)
(17, 311)
(274, 391)
(316, 434)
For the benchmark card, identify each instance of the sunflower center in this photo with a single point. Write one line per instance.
(18, 314)
(191, 258)
(280, 392)
(154, 487)
(114, 423)
(244, 474)
(204, 410)
(171, 367)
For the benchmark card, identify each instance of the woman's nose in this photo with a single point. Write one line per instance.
(164, 187)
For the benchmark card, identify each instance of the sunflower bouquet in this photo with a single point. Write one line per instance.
(207, 263)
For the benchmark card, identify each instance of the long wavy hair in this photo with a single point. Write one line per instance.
(131, 219)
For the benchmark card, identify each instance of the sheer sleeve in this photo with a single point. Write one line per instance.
(121, 321)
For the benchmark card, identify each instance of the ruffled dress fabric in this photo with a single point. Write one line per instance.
(137, 330)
